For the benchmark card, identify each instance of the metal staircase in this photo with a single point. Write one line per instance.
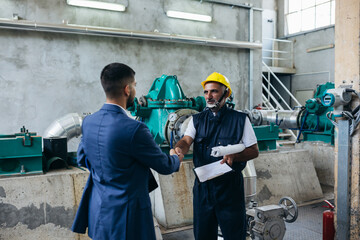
(281, 62)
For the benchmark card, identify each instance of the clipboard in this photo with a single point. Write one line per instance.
(211, 170)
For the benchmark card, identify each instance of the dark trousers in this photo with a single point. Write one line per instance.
(219, 203)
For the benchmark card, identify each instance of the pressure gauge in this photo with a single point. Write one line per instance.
(172, 117)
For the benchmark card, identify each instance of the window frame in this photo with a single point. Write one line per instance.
(300, 11)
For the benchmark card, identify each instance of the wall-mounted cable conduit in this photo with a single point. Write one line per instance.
(124, 33)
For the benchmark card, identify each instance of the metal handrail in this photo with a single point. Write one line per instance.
(267, 103)
(272, 97)
(274, 89)
(274, 58)
(281, 84)
(286, 53)
(277, 51)
(277, 40)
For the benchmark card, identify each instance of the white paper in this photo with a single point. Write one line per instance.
(211, 171)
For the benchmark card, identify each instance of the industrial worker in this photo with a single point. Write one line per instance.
(119, 152)
(219, 201)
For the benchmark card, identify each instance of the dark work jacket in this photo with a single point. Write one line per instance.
(221, 130)
(119, 153)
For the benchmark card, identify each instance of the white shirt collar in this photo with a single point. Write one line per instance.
(116, 105)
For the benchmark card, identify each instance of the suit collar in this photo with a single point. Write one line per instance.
(113, 107)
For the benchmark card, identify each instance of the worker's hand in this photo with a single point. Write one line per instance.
(229, 159)
(178, 151)
(179, 154)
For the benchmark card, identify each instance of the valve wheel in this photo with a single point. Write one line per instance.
(291, 210)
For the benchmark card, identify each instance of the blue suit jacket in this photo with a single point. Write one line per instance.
(119, 153)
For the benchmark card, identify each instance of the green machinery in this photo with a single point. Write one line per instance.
(166, 111)
(266, 136)
(311, 120)
(315, 125)
(21, 153)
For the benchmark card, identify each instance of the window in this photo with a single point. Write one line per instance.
(306, 15)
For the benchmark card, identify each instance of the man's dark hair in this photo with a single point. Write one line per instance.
(114, 77)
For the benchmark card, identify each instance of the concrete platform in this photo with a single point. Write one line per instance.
(44, 206)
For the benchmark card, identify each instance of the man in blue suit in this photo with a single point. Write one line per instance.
(119, 152)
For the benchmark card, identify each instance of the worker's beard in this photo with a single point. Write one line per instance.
(211, 106)
(215, 106)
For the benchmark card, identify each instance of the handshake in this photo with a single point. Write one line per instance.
(177, 151)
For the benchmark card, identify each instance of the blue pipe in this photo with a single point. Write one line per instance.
(171, 138)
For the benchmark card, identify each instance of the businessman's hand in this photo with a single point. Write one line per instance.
(179, 154)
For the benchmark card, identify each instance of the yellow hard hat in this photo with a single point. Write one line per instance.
(217, 77)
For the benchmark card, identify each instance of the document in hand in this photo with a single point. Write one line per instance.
(212, 170)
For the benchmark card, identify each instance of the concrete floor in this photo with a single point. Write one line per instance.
(307, 226)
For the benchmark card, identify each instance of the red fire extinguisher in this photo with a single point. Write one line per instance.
(328, 222)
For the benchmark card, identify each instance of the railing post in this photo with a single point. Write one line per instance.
(292, 54)
(269, 76)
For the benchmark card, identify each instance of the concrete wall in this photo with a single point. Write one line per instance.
(44, 76)
(269, 4)
(312, 68)
(41, 207)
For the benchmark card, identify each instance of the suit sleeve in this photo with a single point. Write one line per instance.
(146, 151)
(81, 154)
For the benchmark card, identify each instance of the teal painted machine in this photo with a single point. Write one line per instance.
(166, 110)
(21, 153)
(315, 126)
(266, 136)
(311, 120)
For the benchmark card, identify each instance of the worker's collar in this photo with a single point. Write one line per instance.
(219, 114)
(222, 109)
